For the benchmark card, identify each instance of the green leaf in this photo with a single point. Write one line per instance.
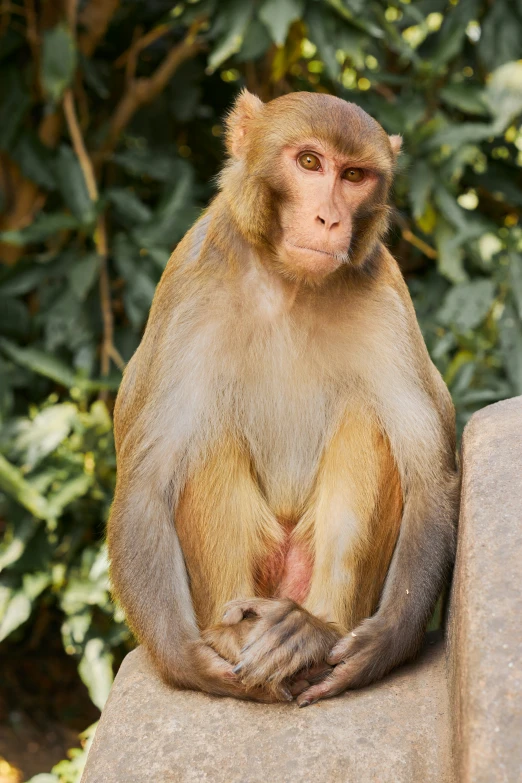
(468, 98)
(70, 491)
(71, 182)
(83, 274)
(256, 42)
(453, 31)
(14, 548)
(14, 103)
(14, 317)
(40, 362)
(173, 217)
(129, 207)
(96, 671)
(278, 15)
(20, 604)
(17, 612)
(322, 30)
(466, 306)
(143, 162)
(15, 485)
(35, 160)
(50, 367)
(511, 343)
(515, 269)
(43, 227)
(449, 252)
(421, 183)
(501, 33)
(58, 61)
(231, 25)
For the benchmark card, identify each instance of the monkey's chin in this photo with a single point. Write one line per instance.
(309, 263)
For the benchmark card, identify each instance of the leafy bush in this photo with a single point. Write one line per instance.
(110, 136)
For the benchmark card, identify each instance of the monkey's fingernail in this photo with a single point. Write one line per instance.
(304, 704)
(237, 668)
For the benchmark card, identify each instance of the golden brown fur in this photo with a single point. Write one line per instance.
(282, 432)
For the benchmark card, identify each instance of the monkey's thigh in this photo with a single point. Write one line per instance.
(222, 523)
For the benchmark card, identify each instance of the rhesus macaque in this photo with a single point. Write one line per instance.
(284, 516)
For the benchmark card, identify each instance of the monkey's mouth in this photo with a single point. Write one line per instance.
(340, 256)
(313, 250)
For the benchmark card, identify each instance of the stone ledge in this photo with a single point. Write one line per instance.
(393, 732)
(485, 629)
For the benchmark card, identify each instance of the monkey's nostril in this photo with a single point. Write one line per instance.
(321, 220)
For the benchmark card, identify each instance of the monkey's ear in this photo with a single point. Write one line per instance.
(246, 107)
(396, 144)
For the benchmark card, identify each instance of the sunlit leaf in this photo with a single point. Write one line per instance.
(466, 305)
(13, 483)
(278, 15)
(96, 671)
(231, 25)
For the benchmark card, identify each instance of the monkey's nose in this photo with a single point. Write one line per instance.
(328, 222)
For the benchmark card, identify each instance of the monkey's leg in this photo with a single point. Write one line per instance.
(148, 568)
(419, 566)
(353, 522)
(225, 529)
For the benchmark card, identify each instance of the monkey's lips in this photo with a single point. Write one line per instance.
(315, 260)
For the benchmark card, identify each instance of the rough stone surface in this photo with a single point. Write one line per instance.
(393, 732)
(485, 628)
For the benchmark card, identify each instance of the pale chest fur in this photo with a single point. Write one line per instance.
(280, 368)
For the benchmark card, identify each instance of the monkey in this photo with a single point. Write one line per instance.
(284, 516)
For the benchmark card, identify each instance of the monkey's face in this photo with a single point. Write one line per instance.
(309, 177)
(326, 191)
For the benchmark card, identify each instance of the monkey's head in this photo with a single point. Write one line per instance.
(308, 180)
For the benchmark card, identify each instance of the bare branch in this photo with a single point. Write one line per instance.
(142, 91)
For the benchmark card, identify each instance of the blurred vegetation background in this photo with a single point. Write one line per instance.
(111, 122)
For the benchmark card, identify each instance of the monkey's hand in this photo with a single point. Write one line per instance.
(366, 654)
(215, 675)
(281, 640)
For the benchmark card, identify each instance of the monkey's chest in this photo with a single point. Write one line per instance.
(286, 426)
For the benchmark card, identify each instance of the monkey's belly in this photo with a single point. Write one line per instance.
(286, 572)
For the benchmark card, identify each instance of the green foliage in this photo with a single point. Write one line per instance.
(81, 264)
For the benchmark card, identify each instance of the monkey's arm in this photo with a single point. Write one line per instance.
(425, 547)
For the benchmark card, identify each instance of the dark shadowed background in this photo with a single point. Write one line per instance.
(111, 122)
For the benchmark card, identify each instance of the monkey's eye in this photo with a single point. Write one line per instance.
(309, 161)
(354, 175)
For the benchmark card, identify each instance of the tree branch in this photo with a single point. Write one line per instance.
(95, 18)
(142, 91)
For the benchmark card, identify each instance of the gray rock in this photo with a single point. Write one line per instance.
(405, 729)
(394, 732)
(485, 630)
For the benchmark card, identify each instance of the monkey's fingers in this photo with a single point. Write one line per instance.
(237, 610)
(314, 674)
(335, 683)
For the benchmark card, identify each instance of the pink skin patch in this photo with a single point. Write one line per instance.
(287, 572)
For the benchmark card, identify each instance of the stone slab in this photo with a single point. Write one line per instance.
(485, 627)
(396, 731)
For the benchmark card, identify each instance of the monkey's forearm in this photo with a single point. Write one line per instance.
(148, 576)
